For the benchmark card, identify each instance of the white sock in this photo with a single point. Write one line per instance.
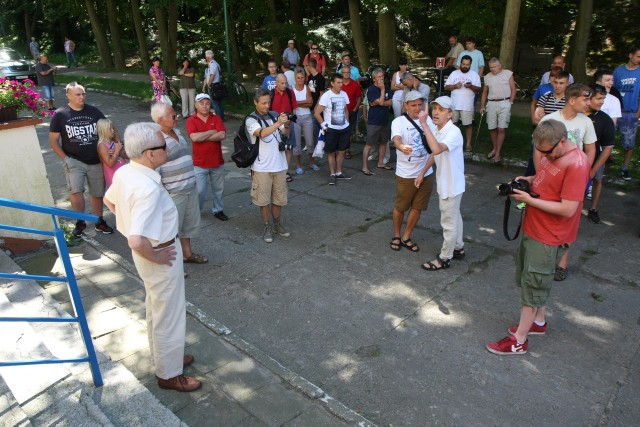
(539, 323)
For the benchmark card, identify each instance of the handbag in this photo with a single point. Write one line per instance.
(218, 91)
(166, 100)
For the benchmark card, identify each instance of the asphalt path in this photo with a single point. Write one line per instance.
(400, 345)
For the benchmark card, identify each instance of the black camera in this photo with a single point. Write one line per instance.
(506, 189)
(292, 117)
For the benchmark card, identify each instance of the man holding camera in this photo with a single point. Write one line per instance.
(268, 172)
(550, 222)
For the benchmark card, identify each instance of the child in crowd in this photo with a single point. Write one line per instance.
(110, 150)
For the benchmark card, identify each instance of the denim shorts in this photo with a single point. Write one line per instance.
(48, 93)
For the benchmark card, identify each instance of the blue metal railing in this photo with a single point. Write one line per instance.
(70, 278)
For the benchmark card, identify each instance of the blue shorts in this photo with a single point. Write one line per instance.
(47, 93)
(628, 125)
(336, 140)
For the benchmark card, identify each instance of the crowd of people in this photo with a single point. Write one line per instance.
(158, 197)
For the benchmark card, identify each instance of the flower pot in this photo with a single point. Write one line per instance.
(8, 113)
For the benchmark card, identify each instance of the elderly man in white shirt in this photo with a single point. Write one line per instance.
(147, 216)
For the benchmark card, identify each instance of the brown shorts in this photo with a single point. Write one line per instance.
(269, 187)
(408, 196)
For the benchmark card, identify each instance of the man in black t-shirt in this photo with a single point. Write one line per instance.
(606, 134)
(75, 125)
(317, 85)
(45, 73)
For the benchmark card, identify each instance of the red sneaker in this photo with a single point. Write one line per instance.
(535, 329)
(508, 345)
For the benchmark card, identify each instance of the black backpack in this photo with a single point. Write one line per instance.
(245, 153)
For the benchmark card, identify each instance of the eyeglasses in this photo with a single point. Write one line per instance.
(314, 48)
(159, 147)
(549, 151)
(586, 93)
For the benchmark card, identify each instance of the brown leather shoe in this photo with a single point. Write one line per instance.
(180, 383)
(187, 360)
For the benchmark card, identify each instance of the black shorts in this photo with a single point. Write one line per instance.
(336, 140)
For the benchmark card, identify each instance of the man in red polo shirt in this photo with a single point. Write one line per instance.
(206, 130)
(283, 100)
(354, 92)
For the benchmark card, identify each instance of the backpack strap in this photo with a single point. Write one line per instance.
(420, 132)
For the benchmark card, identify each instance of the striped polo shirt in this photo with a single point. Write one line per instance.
(178, 175)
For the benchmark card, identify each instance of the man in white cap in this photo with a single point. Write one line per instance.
(414, 173)
(291, 53)
(445, 142)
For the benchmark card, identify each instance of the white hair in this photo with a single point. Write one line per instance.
(158, 110)
(209, 54)
(139, 137)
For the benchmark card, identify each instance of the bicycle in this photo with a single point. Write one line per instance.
(235, 88)
(529, 85)
(177, 101)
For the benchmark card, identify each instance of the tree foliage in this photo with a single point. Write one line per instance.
(123, 33)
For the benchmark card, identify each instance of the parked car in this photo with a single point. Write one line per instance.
(15, 66)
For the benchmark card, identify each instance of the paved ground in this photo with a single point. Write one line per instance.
(399, 345)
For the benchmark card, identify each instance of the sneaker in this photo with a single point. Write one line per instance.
(535, 329)
(332, 180)
(625, 175)
(315, 167)
(267, 236)
(343, 175)
(508, 346)
(102, 227)
(593, 216)
(79, 229)
(299, 171)
(589, 193)
(279, 229)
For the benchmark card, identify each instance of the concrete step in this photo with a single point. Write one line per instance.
(62, 394)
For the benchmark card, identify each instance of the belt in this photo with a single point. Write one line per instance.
(165, 244)
(494, 100)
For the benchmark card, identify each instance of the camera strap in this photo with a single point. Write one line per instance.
(505, 220)
(423, 137)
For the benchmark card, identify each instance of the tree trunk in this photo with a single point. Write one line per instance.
(387, 38)
(233, 43)
(163, 32)
(99, 34)
(295, 8)
(358, 36)
(136, 16)
(509, 33)
(116, 38)
(172, 39)
(255, 61)
(580, 40)
(273, 24)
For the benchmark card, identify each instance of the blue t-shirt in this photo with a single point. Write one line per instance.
(542, 90)
(269, 82)
(477, 60)
(628, 83)
(378, 114)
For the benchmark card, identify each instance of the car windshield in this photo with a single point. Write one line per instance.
(9, 55)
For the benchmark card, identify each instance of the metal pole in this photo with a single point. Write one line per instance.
(226, 36)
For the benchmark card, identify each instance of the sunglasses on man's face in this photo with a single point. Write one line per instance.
(159, 147)
(549, 151)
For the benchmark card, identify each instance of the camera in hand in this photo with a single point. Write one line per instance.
(292, 117)
(505, 189)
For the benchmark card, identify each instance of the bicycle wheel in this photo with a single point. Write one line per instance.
(240, 92)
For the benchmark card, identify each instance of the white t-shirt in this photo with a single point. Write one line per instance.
(270, 158)
(335, 106)
(411, 165)
(450, 163)
(580, 129)
(291, 78)
(611, 106)
(463, 98)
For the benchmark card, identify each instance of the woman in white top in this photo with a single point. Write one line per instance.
(397, 87)
(304, 122)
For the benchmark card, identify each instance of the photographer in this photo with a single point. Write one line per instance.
(550, 224)
(268, 172)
